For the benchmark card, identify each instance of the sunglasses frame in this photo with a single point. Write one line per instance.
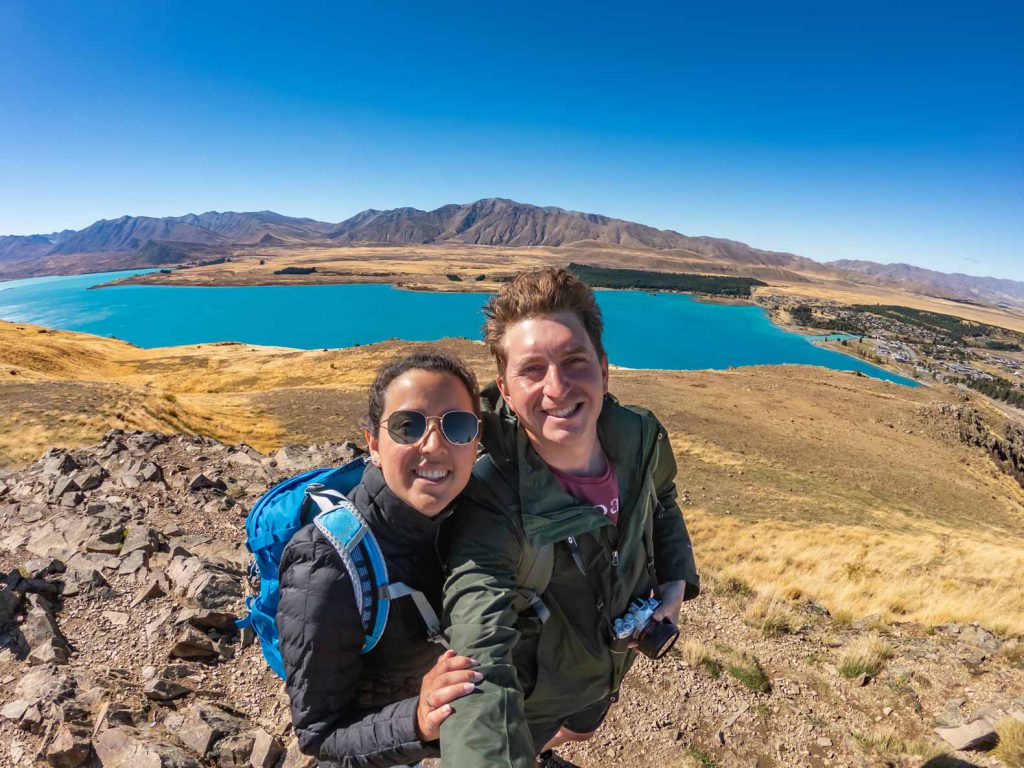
(426, 426)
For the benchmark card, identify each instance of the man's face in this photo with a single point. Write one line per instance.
(555, 382)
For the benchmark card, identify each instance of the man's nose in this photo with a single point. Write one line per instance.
(554, 383)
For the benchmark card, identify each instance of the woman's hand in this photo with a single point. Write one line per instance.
(451, 678)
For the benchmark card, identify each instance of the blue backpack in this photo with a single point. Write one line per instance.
(318, 496)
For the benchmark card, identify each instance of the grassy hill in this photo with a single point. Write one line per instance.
(805, 483)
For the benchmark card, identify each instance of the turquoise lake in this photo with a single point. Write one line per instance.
(671, 331)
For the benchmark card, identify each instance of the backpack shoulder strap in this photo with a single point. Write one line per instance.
(351, 536)
(535, 563)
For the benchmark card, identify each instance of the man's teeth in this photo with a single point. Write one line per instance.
(563, 412)
(431, 474)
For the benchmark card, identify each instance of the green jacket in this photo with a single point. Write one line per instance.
(537, 672)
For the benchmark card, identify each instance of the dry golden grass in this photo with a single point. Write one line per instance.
(811, 484)
(771, 616)
(864, 656)
(888, 742)
(1010, 749)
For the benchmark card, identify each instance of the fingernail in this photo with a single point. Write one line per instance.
(468, 687)
(446, 709)
(476, 677)
(474, 663)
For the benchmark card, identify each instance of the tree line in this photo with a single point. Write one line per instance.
(638, 279)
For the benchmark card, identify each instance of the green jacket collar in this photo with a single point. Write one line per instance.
(548, 512)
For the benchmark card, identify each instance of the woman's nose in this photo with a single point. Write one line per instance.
(432, 440)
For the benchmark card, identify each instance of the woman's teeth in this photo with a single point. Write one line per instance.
(431, 474)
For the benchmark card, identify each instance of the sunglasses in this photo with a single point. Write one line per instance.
(408, 427)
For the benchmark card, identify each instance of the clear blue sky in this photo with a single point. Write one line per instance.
(890, 131)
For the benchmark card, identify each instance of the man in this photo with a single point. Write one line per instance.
(593, 483)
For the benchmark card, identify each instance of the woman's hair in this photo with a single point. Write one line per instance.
(441, 362)
(540, 292)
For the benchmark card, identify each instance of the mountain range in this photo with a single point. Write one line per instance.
(134, 241)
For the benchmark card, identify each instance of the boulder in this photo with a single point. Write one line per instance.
(192, 644)
(151, 589)
(133, 562)
(977, 734)
(139, 538)
(202, 482)
(70, 747)
(205, 725)
(89, 478)
(293, 757)
(293, 458)
(216, 591)
(41, 567)
(234, 751)
(162, 689)
(44, 639)
(204, 620)
(64, 484)
(58, 462)
(124, 747)
(266, 750)
(151, 473)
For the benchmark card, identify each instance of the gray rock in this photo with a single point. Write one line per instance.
(44, 639)
(266, 750)
(234, 751)
(192, 644)
(977, 734)
(204, 619)
(64, 484)
(215, 591)
(45, 684)
(70, 748)
(164, 689)
(293, 757)
(141, 538)
(183, 570)
(981, 638)
(40, 567)
(135, 561)
(294, 458)
(151, 589)
(205, 725)
(14, 710)
(124, 747)
(58, 462)
(151, 473)
(89, 478)
(202, 482)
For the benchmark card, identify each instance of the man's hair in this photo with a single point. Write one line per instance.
(540, 292)
(437, 361)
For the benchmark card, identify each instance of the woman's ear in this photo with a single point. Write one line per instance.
(373, 445)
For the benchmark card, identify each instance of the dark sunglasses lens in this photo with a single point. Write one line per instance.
(460, 427)
(406, 426)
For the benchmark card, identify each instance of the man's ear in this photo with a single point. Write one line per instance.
(503, 388)
(604, 371)
(373, 445)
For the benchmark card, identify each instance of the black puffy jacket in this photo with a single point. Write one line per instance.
(350, 709)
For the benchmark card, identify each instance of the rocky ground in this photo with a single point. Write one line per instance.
(125, 568)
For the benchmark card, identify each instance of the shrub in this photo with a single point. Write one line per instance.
(864, 656)
(1010, 749)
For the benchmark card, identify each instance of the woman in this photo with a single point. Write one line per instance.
(384, 708)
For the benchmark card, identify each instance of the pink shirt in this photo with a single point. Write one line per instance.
(602, 491)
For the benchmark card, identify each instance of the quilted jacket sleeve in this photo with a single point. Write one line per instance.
(673, 553)
(321, 639)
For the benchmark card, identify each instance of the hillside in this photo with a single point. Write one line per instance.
(827, 510)
(928, 281)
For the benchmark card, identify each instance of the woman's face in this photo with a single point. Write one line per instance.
(428, 474)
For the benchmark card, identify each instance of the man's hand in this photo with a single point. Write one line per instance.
(451, 678)
(671, 594)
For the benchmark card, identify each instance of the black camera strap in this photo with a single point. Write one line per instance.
(595, 583)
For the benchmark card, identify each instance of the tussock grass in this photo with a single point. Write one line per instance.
(1013, 652)
(1010, 749)
(771, 616)
(887, 742)
(745, 668)
(864, 656)
(699, 655)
